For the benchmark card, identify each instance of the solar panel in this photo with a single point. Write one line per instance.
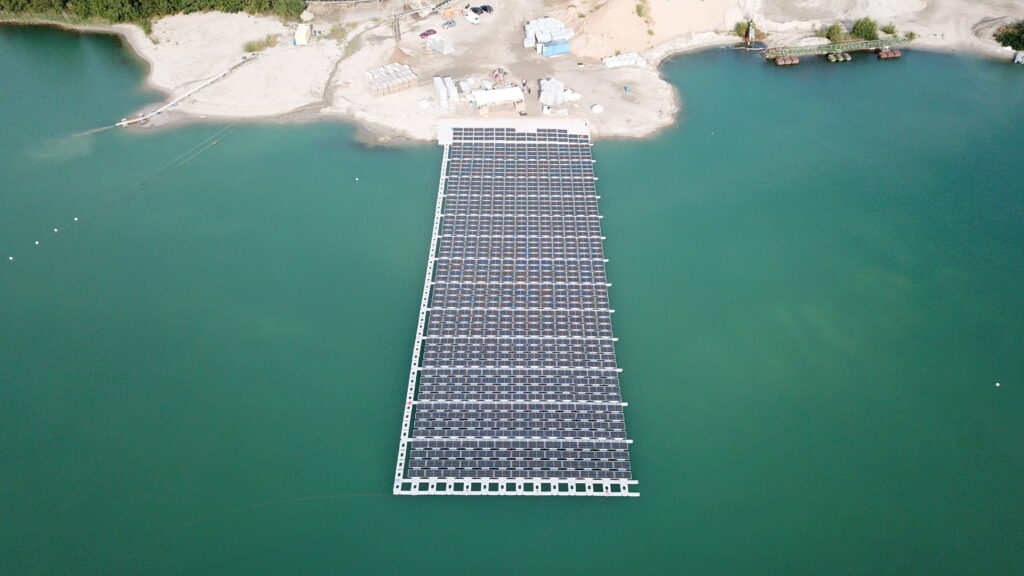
(514, 386)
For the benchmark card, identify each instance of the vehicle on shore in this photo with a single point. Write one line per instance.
(428, 33)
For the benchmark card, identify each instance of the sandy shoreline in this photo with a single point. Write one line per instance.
(324, 81)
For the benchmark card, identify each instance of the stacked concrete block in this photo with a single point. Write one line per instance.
(390, 78)
(627, 59)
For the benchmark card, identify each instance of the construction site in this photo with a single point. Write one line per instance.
(511, 61)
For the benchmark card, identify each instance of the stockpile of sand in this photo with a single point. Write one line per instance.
(606, 27)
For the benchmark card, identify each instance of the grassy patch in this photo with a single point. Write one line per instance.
(353, 46)
(258, 45)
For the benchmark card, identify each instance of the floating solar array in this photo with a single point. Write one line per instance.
(514, 388)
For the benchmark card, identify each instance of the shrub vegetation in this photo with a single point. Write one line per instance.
(1012, 35)
(143, 10)
(865, 28)
(835, 33)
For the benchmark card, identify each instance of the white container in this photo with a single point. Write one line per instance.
(439, 44)
(303, 33)
(441, 90)
(453, 92)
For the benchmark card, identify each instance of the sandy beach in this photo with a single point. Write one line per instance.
(326, 79)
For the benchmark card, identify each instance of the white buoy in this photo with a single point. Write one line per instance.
(56, 230)
(37, 242)
(357, 179)
(997, 384)
(10, 257)
(76, 218)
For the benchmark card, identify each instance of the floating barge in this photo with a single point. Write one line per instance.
(514, 386)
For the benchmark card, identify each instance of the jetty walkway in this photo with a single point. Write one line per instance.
(859, 45)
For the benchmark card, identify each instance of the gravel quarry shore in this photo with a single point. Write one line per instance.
(326, 79)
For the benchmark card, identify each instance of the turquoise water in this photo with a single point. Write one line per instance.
(817, 282)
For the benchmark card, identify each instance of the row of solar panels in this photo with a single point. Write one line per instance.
(426, 432)
(540, 318)
(539, 167)
(517, 412)
(522, 444)
(501, 296)
(462, 209)
(506, 427)
(563, 324)
(552, 188)
(521, 348)
(448, 243)
(437, 357)
(478, 225)
(521, 264)
(565, 139)
(510, 146)
(521, 464)
(485, 177)
(519, 331)
(492, 170)
(457, 379)
(490, 204)
(441, 473)
(552, 267)
(481, 385)
(515, 210)
(567, 407)
(511, 275)
(511, 250)
(560, 396)
(521, 389)
(542, 455)
(485, 372)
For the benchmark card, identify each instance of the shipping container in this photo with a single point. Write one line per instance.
(556, 48)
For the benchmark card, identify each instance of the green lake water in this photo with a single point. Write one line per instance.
(817, 281)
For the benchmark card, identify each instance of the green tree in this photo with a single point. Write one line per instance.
(142, 11)
(865, 28)
(289, 8)
(1012, 35)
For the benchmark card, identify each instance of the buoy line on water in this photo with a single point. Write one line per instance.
(175, 162)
